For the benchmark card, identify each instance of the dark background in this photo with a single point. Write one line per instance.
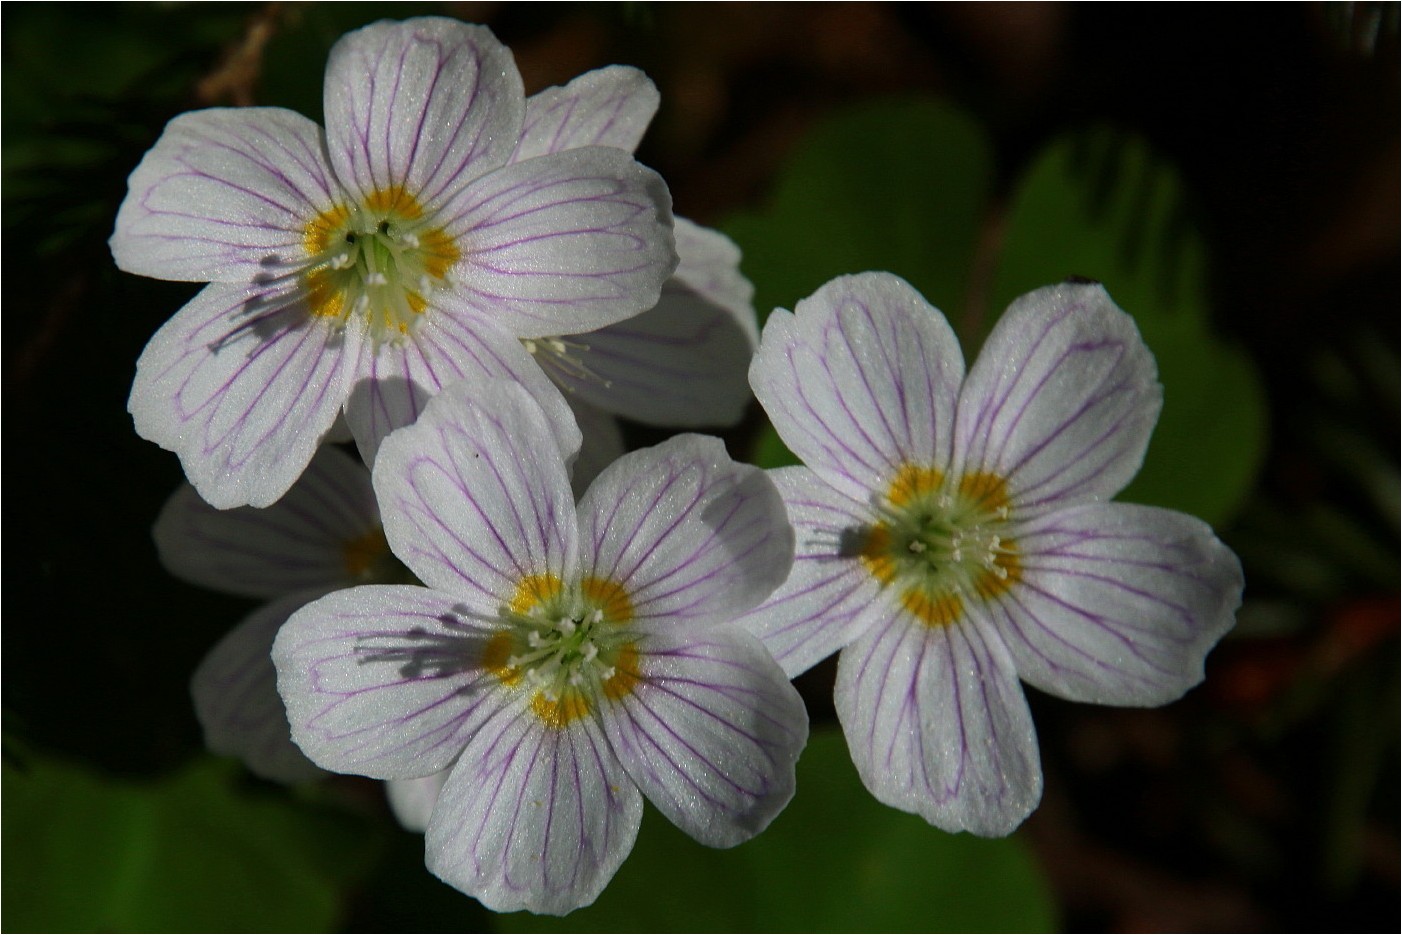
(1267, 799)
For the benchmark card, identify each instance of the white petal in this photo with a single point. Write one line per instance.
(829, 599)
(605, 107)
(861, 380)
(1117, 604)
(684, 362)
(427, 103)
(688, 533)
(315, 537)
(475, 496)
(401, 377)
(242, 384)
(534, 817)
(235, 693)
(561, 244)
(710, 733)
(385, 681)
(1061, 400)
(225, 195)
(938, 725)
(412, 800)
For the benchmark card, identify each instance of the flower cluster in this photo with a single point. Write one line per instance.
(523, 628)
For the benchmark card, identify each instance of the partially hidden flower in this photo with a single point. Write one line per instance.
(685, 361)
(565, 660)
(954, 535)
(323, 536)
(362, 267)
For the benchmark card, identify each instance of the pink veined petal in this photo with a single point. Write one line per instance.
(710, 733)
(385, 680)
(474, 495)
(605, 107)
(412, 800)
(533, 816)
(1117, 604)
(225, 195)
(427, 104)
(829, 598)
(1061, 401)
(685, 361)
(399, 378)
(242, 383)
(305, 540)
(561, 244)
(690, 535)
(603, 444)
(235, 693)
(937, 725)
(861, 380)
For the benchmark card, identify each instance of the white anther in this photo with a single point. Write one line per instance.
(556, 345)
(409, 240)
(529, 345)
(597, 616)
(916, 546)
(425, 284)
(566, 625)
(608, 673)
(342, 261)
(1004, 511)
(576, 679)
(591, 652)
(957, 555)
(534, 640)
(361, 304)
(377, 279)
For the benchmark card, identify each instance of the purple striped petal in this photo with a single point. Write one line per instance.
(533, 816)
(937, 725)
(862, 379)
(829, 598)
(427, 104)
(400, 378)
(412, 800)
(1061, 401)
(605, 107)
(321, 535)
(242, 385)
(561, 244)
(475, 496)
(225, 195)
(235, 693)
(386, 681)
(710, 733)
(1117, 604)
(689, 534)
(685, 361)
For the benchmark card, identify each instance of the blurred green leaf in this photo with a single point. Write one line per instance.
(899, 186)
(834, 860)
(1102, 206)
(193, 852)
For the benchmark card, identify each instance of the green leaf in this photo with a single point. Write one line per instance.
(193, 852)
(899, 186)
(1103, 206)
(835, 860)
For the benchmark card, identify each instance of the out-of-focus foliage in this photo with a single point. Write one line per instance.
(834, 861)
(897, 186)
(198, 851)
(1095, 205)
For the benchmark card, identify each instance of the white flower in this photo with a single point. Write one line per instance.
(324, 535)
(564, 661)
(683, 362)
(365, 266)
(954, 536)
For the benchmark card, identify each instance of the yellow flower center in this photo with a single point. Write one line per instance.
(942, 541)
(380, 259)
(568, 645)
